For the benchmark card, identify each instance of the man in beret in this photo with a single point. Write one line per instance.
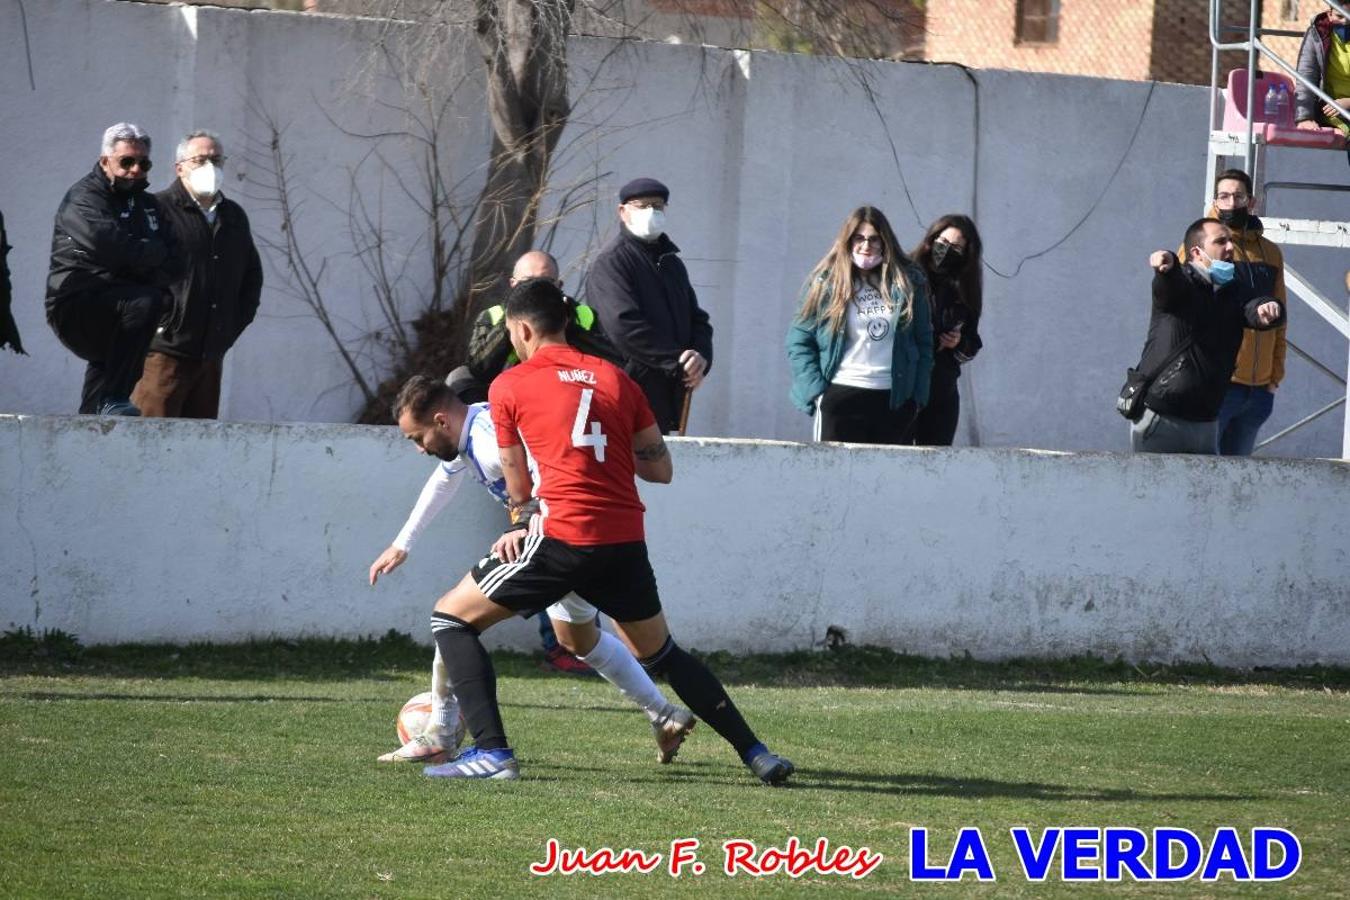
(640, 289)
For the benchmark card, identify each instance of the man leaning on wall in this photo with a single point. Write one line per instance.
(113, 259)
(217, 297)
(647, 306)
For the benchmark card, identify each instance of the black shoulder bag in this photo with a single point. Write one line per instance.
(1130, 403)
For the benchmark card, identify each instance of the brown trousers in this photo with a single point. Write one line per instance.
(178, 388)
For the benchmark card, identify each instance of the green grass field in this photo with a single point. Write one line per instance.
(249, 772)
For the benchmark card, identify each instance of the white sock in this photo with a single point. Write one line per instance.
(617, 666)
(444, 706)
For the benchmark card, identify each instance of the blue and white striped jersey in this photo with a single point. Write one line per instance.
(478, 456)
(478, 452)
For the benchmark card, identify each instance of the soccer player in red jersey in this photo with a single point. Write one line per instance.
(591, 431)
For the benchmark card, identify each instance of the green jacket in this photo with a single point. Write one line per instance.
(815, 350)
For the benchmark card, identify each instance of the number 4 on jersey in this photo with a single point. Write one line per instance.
(596, 439)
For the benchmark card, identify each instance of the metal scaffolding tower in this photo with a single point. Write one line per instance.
(1240, 130)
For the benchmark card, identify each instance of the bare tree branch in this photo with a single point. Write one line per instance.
(305, 282)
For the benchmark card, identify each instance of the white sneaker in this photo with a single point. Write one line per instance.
(430, 746)
(671, 728)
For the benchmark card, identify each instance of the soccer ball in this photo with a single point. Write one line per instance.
(416, 713)
(413, 717)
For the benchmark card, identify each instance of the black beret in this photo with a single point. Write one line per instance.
(643, 187)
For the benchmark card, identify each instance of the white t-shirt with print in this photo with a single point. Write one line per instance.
(871, 345)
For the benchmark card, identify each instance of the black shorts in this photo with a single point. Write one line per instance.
(616, 579)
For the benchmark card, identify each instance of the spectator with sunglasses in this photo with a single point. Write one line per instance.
(950, 255)
(113, 260)
(861, 344)
(217, 297)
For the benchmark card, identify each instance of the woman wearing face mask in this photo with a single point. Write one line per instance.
(950, 256)
(861, 344)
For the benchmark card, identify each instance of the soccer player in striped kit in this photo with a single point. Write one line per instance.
(462, 436)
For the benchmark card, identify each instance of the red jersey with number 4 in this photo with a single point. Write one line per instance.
(576, 415)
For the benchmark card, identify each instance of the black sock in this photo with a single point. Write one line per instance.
(700, 690)
(471, 678)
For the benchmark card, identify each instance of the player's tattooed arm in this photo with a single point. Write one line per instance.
(652, 452)
(520, 504)
(652, 456)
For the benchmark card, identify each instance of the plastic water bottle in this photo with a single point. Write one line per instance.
(1283, 103)
(1271, 107)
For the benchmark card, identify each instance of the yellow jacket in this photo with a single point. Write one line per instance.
(1260, 360)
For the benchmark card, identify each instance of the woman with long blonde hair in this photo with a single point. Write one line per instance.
(861, 344)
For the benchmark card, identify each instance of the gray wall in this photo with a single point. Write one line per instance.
(1073, 181)
(119, 530)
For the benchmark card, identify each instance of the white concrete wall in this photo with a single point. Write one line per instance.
(1073, 182)
(232, 71)
(118, 530)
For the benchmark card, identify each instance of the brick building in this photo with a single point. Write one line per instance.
(1160, 40)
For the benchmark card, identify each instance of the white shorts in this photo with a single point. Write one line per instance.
(572, 609)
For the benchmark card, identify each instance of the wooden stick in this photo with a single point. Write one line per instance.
(684, 412)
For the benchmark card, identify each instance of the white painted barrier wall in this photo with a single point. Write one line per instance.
(1072, 180)
(119, 530)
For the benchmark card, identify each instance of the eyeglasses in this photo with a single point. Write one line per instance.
(873, 240)
(214, 159)
(128, 162)
(647, 204)
(1236, 198)
(956, 249)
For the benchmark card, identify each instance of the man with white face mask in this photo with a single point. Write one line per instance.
(217, 297)
(640, 289)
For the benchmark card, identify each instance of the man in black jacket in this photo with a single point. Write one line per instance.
(1194, 331)
(113, 258)
(647, 307)
(218, 295)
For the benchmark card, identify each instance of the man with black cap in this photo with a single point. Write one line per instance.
(640, 288)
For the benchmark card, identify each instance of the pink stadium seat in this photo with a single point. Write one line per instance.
(1278, 133)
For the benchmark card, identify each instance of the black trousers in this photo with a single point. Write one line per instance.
(861, 416)
(935, 426)
(111, 330)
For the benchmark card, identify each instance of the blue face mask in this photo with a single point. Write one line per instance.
(1220, 271)
(1342, 32)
